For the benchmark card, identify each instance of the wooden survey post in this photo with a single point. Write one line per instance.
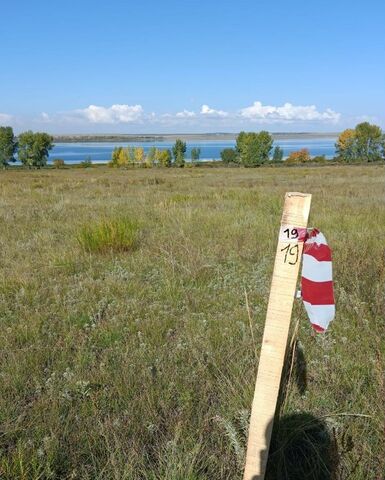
(287, 260)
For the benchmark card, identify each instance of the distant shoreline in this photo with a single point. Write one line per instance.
(84, 138)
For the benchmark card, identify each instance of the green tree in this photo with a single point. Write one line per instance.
(8, 146)
(229, 155)
(264, 145)
(277, 154)
(369, 140)
(34, 148)
(254, 148)
(131, 156)
(178, 151)
(164, 158)
(179, 159)
(195, 154)
(240, 144)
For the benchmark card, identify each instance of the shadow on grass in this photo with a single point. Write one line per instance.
(301, 447)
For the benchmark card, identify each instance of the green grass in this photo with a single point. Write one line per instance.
(136, 363)
(112, 235)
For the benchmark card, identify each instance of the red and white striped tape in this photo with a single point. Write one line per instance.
(317, 281)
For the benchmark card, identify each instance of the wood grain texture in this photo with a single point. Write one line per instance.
(286, 266)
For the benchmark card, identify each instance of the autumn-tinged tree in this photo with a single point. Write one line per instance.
(254, 148)
(123, 157)
(34, 148)
(114, 162)
(139, 155)
(346, 147)
(8, 146)
(300, 156)
(277, 154)
(179, 150)
(363, 144)
(164, 158)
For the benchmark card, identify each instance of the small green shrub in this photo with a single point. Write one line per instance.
(229, 155)
(319, 159)
(86, 163)
(110, 235)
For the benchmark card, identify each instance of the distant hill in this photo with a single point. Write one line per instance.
(77, 138)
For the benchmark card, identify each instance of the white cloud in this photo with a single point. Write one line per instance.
(185, 114)
(115, 114)
(4, 117)
(111, 118)
(287, 113)
(206, 110)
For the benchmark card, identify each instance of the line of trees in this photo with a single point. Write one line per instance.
(135, 156)
(131, 156)
(364, 143)
(31, 148)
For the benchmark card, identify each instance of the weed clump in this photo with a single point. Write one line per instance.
(110, 235)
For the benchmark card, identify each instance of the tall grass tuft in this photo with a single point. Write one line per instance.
(110, 235)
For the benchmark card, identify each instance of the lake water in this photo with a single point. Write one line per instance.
(100, 152)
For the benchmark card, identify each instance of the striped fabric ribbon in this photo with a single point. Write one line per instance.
(317, 281)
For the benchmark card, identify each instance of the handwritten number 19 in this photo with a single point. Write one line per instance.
(291, 254)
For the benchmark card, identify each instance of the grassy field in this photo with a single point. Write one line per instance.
(131, 355)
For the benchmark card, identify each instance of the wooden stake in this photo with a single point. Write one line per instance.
(287, 260)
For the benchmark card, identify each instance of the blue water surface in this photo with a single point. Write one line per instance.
(100, 152)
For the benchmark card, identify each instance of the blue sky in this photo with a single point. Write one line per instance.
(190, 66)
